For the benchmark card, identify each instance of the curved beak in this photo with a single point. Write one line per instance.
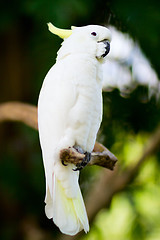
(107, 47)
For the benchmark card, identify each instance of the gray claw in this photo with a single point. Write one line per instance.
(77, 169)
(79, 149)
(64, 164)
(84, 162)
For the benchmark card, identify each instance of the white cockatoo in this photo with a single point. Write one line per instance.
(69, 115)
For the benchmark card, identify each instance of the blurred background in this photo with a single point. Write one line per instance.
(131, 116)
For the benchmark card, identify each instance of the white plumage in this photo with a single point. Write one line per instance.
(69, 114)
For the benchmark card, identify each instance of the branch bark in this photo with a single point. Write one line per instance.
(20, 112)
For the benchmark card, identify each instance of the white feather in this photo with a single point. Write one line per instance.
(70, 113)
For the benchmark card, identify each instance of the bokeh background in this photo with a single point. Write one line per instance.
(28, 50)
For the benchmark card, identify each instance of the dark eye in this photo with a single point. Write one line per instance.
(94, 33)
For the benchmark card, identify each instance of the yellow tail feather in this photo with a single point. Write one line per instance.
(69, 214)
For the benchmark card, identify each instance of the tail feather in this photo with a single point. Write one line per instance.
(81, 211)
(69, 214)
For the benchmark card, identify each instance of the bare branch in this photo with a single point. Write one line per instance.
(21, 112)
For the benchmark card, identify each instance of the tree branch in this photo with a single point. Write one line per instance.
(21, 112)
(16, 111)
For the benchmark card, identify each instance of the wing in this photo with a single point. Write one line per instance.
(57, 97)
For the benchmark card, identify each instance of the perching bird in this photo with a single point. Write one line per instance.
(69, 115)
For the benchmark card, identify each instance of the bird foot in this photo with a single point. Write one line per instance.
(84, 162)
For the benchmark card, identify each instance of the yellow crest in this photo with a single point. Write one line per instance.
(62, 33)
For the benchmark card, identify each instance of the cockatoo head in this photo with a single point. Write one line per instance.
(93, 40)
